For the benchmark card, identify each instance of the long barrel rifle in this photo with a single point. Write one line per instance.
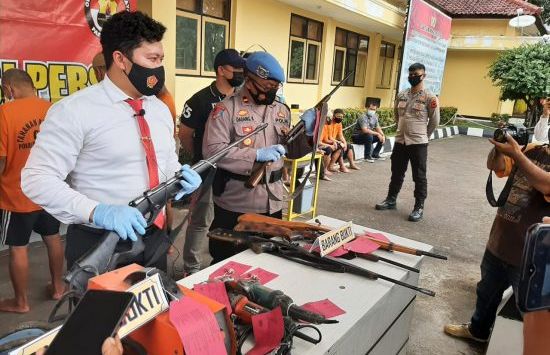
(103, 257)
(294, 252)
(251, 222)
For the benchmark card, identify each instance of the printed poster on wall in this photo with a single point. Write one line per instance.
(428, 36)
(55, 40)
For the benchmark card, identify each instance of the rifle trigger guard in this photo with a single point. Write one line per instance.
(153, 209)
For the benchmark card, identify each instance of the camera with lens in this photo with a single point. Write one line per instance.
(520, 134)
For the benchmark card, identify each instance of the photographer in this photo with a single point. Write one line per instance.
(541, 128)
(527, 203)
(536, 324)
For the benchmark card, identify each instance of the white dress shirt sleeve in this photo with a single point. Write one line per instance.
(541, 130)
(52, 158)
(173, 161)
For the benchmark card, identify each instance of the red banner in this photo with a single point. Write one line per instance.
(55, 40)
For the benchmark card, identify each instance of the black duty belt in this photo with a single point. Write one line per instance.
(274, 176)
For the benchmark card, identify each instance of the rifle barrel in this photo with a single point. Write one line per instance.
(375, 258)
(353, 269)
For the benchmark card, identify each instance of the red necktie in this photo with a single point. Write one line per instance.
(150, 156)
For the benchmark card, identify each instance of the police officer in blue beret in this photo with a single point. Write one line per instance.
(235, 117)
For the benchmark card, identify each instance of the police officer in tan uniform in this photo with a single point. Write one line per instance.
(235, 117)
(417, 116)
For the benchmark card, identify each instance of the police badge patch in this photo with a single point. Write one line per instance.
(216, 113)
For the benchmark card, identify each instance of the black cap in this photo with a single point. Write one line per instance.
(229, 57)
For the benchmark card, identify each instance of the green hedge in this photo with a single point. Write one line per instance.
(446, 114)
(385, 118)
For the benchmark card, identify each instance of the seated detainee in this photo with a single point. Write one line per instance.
(346, 150)
(368, 132)
(328, 147)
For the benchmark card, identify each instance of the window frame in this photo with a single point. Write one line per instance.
(345, 62)
(197, 70)
(307, 41)
(344, 50)
(217, 21)
(202, 19)
(380, 84)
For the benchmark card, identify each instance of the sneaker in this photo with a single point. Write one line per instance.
(462, 331)
(369, 159)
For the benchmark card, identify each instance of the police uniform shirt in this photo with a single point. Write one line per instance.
(417, 116)
(234, 117)
(195, 113)
(93, 138)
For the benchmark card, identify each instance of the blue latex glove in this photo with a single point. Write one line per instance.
(124, 220)
(190, 181)
(272, 153)
(308, 117)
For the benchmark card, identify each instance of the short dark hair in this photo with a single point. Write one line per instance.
(338, 110)
(125, 31)
(17, 77)
(417, 66)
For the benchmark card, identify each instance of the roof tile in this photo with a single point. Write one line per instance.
(487, 7)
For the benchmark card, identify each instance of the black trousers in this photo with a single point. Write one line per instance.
(227, 220)
(417, 154)
(368, 140)
(80, 239)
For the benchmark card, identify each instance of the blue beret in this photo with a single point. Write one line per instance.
(265, 66)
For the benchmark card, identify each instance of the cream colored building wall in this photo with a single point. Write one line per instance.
(267, 23)
(482, 27)
(466, 85)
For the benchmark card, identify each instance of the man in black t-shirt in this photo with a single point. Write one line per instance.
(229, 66)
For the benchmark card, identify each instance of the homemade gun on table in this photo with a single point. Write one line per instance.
(103, 258)
(293, 252)
(255, 223)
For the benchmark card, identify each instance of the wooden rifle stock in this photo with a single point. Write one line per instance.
(256, 175)
(295, 226)
(389, 246)
(259, 171)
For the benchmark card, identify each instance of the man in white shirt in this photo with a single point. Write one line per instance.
(541, 128)
(113, 141)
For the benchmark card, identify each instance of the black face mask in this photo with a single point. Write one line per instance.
(148, 81)
(237, 80)
(269, 96)
(415, 80)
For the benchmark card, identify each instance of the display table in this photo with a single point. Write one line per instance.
(378, 313)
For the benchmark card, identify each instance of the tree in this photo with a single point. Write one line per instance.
(545, 4)
(523, 73)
